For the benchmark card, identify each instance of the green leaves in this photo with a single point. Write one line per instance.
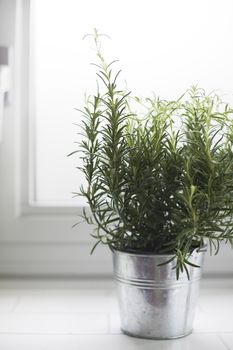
(161, 181)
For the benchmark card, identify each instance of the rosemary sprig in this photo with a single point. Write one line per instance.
(162, 181)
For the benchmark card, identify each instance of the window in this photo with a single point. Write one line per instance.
(37, 239)
(152, 56)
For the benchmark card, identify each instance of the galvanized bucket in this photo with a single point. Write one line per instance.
(152, 302)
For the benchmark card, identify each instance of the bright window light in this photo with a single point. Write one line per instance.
(163, 46)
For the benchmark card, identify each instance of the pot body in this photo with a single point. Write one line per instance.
(152, 302)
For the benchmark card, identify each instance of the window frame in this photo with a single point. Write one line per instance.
(35, 240)
(27, 187)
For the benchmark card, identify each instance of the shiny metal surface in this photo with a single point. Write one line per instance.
(152, 302)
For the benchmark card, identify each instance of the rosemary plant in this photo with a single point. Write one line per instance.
(160, 182)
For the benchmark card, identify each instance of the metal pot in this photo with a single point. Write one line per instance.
(152, 302)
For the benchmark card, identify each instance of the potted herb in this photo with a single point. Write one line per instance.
(159, 187)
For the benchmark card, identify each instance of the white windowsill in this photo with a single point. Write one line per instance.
(83, 314)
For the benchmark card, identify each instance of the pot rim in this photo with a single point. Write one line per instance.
(201, 249)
